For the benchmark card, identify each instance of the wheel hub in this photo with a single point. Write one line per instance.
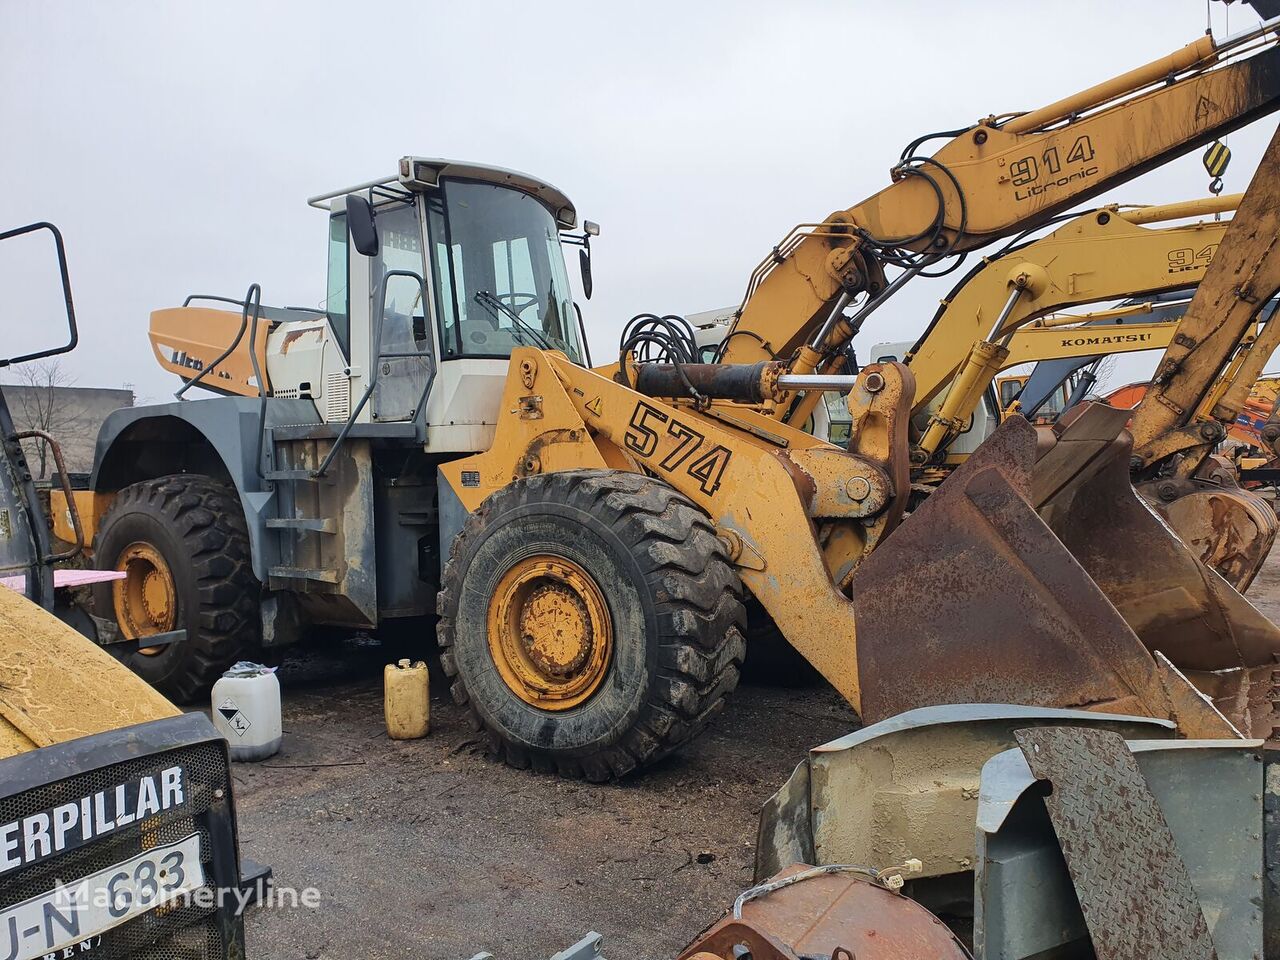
(146, 601)
(550, 633)
(555, 628)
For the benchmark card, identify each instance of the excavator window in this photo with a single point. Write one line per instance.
(337, 301)
(499, 273)
(839, 418)
(1010, 387)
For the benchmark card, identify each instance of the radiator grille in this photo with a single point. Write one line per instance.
(337, 398)
(175, 931)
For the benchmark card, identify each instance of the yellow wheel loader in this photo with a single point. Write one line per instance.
(592, 533)
(117, 830)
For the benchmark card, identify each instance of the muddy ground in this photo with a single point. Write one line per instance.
(428, 849)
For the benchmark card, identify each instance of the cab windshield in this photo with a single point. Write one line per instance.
(499, 273)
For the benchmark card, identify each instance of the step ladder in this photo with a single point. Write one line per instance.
(324, 528)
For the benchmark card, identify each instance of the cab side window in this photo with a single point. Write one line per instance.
(337, 300)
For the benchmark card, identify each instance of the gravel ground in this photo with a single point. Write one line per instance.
(427, 849)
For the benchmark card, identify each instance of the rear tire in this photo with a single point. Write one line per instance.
(653, 567)
(195, 527)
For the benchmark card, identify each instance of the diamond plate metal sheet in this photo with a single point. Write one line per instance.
(1133, 886)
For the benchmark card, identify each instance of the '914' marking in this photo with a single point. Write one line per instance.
(645, 439)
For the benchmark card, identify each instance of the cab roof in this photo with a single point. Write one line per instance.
(425, 173)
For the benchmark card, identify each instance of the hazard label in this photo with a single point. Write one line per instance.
(593, 406)
(235, 718)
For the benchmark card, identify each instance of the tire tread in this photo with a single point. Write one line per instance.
(700, 613)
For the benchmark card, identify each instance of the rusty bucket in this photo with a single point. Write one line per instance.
(1036, 575)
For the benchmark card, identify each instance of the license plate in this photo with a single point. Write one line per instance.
(72, 913)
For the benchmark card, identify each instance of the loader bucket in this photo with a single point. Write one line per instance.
(1172, 601)
(972, 599)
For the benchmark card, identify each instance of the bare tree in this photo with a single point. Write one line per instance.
(43, 402)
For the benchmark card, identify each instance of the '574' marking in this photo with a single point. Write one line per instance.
(646, 438)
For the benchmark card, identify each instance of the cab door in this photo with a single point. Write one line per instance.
(401, 337)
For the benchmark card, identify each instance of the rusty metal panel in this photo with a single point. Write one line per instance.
(1133, 886)
(821, 915)
(1210, 792)
(1171, 600)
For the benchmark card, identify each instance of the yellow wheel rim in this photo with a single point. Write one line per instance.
(146, 601)
(550, 635)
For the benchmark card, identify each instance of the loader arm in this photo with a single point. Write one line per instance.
(998, 177)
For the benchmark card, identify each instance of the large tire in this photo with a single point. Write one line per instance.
(196, 526)
(674, 608)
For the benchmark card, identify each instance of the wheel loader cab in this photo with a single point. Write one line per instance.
(466, 264)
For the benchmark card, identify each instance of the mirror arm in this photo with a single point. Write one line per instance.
(74, 333)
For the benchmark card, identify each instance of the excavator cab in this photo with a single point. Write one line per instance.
(1010, 389)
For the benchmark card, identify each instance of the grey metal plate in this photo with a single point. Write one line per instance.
(1134, 888)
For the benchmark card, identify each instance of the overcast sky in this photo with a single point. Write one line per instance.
(175, 142)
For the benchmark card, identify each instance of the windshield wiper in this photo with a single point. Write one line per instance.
(487, 299)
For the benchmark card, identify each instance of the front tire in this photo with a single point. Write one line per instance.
(590, 622)
(183, 541)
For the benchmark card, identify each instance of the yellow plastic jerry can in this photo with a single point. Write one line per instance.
(406, 701)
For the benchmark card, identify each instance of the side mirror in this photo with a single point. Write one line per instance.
(363, 227)
(584, 263)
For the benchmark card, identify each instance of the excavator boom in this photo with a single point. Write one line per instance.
(999, 177)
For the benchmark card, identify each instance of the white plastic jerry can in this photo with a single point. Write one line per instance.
(246, 711)
(406, 700)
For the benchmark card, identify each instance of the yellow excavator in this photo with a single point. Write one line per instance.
(592, 533)
(1101, 255)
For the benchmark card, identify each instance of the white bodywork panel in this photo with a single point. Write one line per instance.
(462, 408)
(303, 360)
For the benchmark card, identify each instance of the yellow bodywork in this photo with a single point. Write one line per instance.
(728, 459)
(56, 685)
(90, 504)
(187, 339)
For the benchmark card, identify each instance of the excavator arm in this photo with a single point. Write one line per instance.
(1001, 176)
(1102, 255)
(1221, 346)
